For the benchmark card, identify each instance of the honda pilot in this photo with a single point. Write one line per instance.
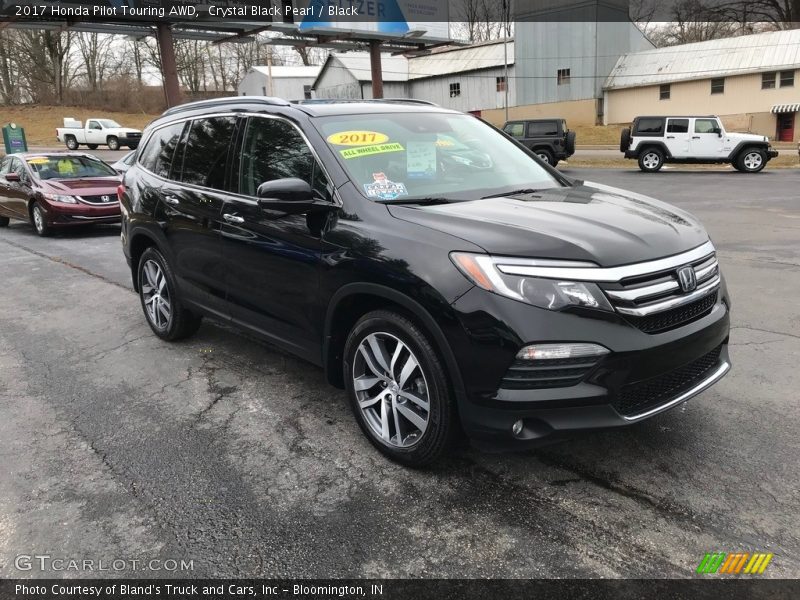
(437, 270)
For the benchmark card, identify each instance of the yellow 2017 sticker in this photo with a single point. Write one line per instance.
(357, 138)
(369, 150)
(38, 160)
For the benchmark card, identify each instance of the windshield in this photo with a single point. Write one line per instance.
(407, 156)
(108, 123)
(69, 167)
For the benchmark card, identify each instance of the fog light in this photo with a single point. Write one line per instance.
(560, 351)
(516, 428)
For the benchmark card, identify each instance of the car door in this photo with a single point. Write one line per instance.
(5, 210)
(191, 203)
(678, 137)
(706, 139)
(271, 258)
(15, 194)
(94, 133)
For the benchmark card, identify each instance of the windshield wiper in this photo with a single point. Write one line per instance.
(521, 192)
(428, 200)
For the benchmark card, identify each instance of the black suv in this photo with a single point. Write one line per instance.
(550, 139)
(429, 263)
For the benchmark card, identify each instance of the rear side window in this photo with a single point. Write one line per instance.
(541, 128)
(705, 125)
(157, 155)
(678, 126)
(650, 126)
(205, 154)
(516, 130)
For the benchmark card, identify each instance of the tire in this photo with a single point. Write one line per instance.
(570, 143)
(39, 220)
(545, 155)
(751, 160)
(92, 146)
(651, 160)
(625, 139)
(4, 221)
(113, 142)
(424, 429)
(158, 289)
(71, 142)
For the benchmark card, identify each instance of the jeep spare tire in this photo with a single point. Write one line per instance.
(570, 143)
(625, 139)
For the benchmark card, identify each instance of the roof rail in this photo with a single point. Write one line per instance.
(368, 100)
(223, 101)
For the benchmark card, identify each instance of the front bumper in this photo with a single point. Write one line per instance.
(643, 375)
(772, 153)
(62, 214)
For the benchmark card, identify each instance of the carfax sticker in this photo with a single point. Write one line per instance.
(383, 189)
(357, 138)
(370, 150)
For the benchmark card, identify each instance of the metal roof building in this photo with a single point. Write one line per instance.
(289, 82)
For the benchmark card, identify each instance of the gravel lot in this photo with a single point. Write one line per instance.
(231, 454)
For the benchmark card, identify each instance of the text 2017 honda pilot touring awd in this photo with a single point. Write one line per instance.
(434, 267)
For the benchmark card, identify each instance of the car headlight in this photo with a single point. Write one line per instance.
(61, 198)
(552, 294)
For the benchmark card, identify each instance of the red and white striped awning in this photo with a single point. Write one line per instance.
(786, 108)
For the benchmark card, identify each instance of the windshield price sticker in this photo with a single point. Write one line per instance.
(38, 160)
(357, 138)
(421, 160)
(370, 150)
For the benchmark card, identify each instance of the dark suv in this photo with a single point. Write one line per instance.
(550, 139)
(431, 265)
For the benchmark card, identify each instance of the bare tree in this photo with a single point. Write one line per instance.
(96, 51)
(9, 69)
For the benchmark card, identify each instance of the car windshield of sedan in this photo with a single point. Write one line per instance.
(407, 156)
(68, 167)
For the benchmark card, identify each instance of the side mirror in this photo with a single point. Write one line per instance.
(290, 195)
(12, 177)
(718, 131)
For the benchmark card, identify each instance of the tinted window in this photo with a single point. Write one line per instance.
(18, 168)
(5, 165)
(157, 155)
(206, 152)
(273, 149)
(651, 126)
(515, 129)
(705, 125)
(542, 128)
(678, 126)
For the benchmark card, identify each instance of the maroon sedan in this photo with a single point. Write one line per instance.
(59, 189)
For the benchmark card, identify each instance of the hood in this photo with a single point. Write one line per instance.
(93, 186)
(746, 137)
(587, 222)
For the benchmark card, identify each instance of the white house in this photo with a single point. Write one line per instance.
(290, 83)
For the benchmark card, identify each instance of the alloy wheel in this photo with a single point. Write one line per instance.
(156, 295)
(651, 160)
(752, 160)
(545, 159)
(391, 390)
(38, 219)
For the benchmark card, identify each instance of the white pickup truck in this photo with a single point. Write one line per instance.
(98, 132)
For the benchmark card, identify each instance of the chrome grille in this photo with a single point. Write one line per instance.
(656, 301)
(109, 199)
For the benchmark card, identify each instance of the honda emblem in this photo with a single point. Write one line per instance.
(687, 279)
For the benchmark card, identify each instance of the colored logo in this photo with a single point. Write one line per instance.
(736, 563)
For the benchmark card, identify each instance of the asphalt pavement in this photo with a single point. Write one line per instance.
(228, 453)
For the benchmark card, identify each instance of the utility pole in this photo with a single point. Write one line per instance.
(505, 54)
(377, 70)
(270, 88)
(169, 68)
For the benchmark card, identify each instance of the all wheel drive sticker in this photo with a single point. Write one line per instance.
(369, 143)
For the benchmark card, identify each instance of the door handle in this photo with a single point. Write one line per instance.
(695, 137)
(173, 200)
(233, 219)
(670, 137)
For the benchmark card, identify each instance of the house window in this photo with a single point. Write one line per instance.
(455, 90)
(500, 84)
(787, 78)
(718, 85)
(307, 92)
(664, 92)
(768, 81)
(563, 76)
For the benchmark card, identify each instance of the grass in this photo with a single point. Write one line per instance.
(40, 122)
(597, 135)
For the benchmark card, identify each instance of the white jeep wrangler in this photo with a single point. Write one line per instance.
(654, 141)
